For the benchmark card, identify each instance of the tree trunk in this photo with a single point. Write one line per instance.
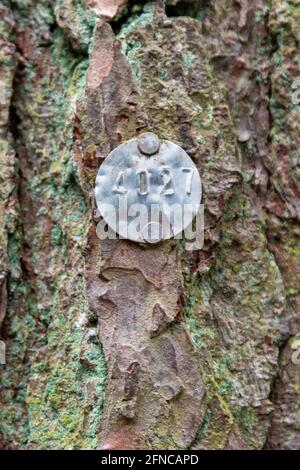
(117, 345)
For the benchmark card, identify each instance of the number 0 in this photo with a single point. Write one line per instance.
(143, 182)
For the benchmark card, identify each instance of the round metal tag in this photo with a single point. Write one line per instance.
(148, 189)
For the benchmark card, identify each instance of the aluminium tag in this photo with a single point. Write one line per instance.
(148, 190)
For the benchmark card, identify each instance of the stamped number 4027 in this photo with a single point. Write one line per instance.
(143, 181)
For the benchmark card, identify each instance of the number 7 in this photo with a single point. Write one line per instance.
(189, 179)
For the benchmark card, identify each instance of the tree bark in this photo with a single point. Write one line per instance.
(116, 345)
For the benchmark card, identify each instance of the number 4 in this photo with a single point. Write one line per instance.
(119, 184)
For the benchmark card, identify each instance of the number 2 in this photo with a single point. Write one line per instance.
(167, 180)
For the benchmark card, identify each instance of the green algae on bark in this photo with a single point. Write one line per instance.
(54, 364)
(236, 316)
(215, 77)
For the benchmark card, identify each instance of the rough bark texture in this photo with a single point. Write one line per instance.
(117, 346)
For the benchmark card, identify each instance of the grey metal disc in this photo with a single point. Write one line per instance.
(157, 175)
